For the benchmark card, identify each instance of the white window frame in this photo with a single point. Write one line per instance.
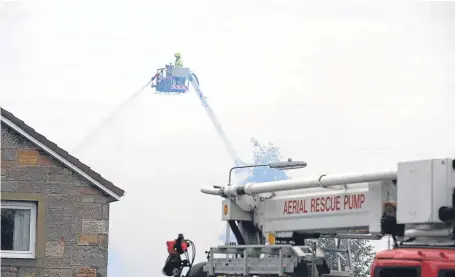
(22, 205)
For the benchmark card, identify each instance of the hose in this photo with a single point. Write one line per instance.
(195, 77)
(193, 257)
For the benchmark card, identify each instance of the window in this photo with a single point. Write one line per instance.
(18, 229)
(446, 273)
(397, 271)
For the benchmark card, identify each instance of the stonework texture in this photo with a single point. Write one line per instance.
(75, 240)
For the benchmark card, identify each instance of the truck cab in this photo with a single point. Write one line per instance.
(414, 262)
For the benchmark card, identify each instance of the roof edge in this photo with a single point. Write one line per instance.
(53, 153)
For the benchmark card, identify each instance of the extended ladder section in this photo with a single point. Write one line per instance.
(415, 200)
(214, 120)
(241, 174)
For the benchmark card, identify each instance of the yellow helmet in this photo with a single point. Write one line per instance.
(177, 55)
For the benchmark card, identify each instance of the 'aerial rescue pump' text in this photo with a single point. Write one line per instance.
(324, 204)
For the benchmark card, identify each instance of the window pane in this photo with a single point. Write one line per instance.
(397, 272)
(15, 229)
(446, 273)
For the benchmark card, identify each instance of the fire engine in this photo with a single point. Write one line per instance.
(414, 203)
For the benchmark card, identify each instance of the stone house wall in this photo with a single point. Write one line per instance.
(72, 215)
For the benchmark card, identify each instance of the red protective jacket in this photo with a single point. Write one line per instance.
(171, 247)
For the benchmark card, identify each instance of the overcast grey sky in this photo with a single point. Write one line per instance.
(347, 87)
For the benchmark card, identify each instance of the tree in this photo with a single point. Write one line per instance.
(362, 254)
(362, 250)
(265, 154)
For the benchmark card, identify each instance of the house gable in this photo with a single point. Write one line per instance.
(35, 140)
(67, 202)
(27, 168)
(71, 224)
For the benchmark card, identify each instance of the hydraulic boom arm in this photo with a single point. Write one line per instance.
(194, 81)
(343, 203)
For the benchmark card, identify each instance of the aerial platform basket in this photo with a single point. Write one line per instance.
(172, 80)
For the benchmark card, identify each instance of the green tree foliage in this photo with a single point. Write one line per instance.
(265, 154)
(362, 255)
